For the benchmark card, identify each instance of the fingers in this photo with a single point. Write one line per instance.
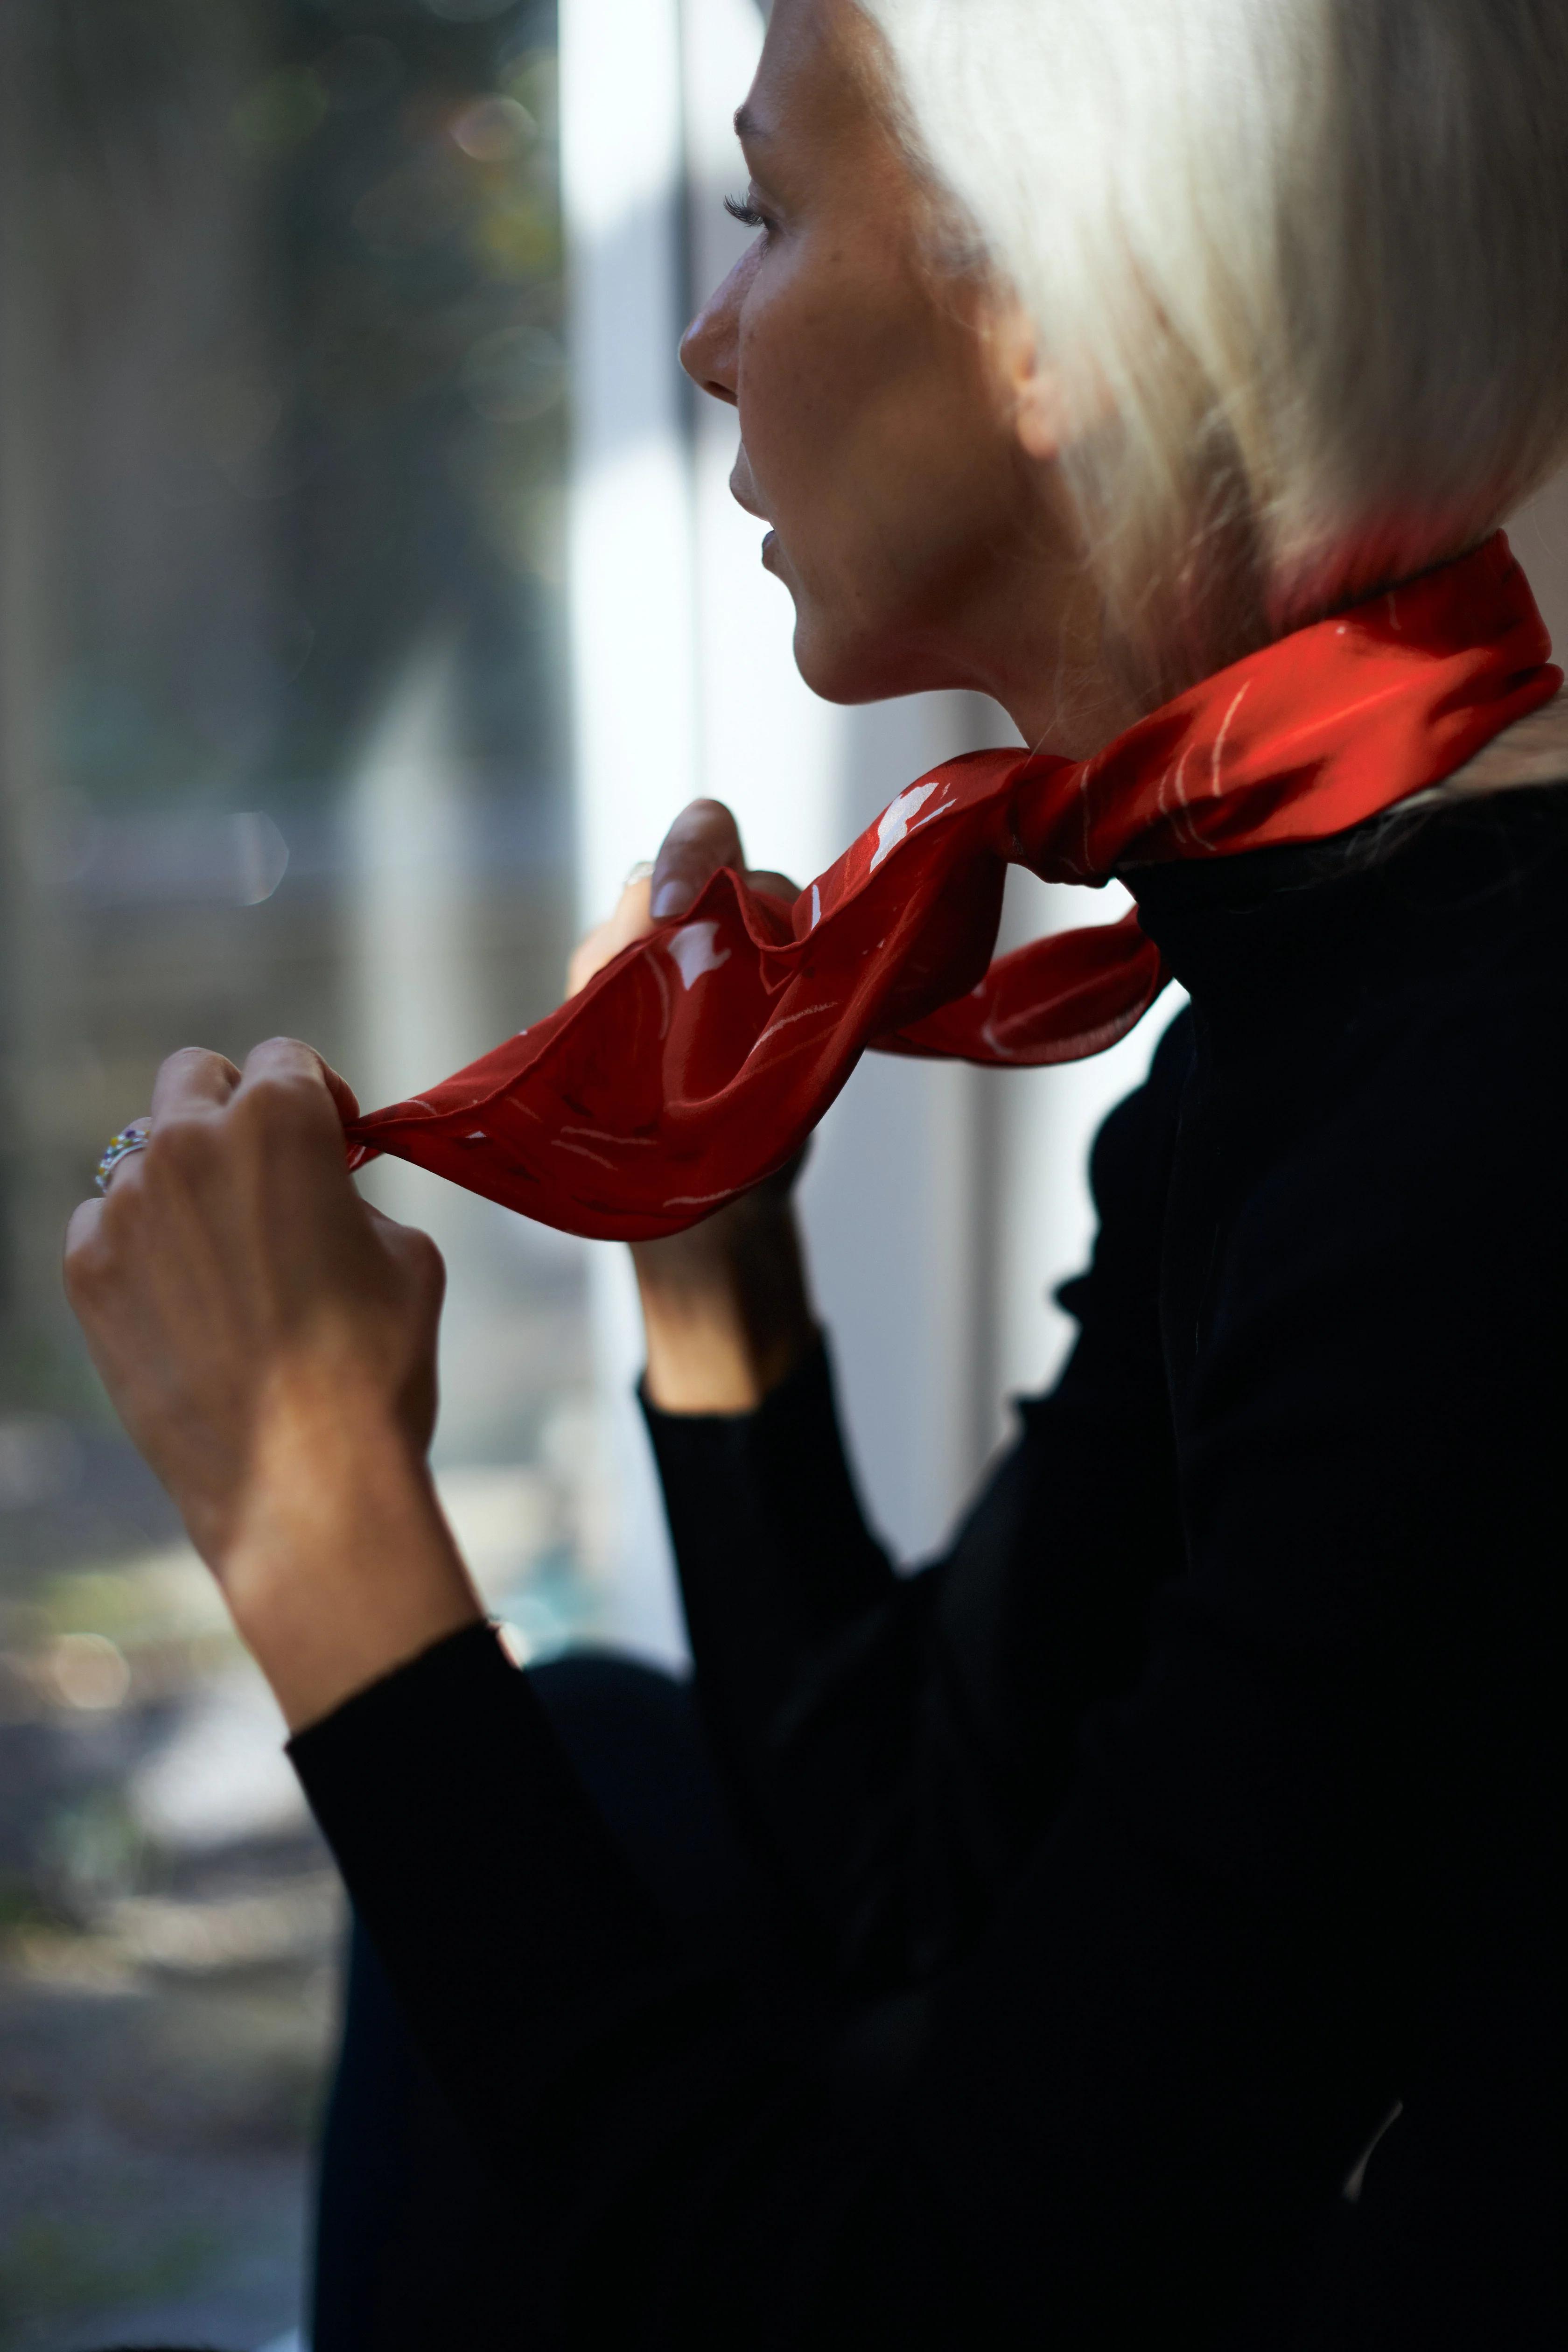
(283, 1064)
(192, 1080)
(342, 1093)
(285, 1124)
(195, 1081)
(703, 837)
(773, 886)
(629, 922)
(204, 1111)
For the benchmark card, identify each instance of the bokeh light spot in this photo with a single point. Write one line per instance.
(89, 1672)
(494, 130)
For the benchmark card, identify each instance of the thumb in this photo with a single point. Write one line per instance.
(703, 837)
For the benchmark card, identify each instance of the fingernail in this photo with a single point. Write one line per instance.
(671, 897)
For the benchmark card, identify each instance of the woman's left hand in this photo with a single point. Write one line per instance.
(725, 1304)
(270, 1342)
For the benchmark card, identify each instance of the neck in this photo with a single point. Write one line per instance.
(1049, 671)
(1075, 716)
(1533, 750)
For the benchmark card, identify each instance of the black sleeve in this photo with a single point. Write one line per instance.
(895, 1743)
(480, 1868)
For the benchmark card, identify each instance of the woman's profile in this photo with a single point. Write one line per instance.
(1133, 1927)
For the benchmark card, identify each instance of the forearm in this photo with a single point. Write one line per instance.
(340, 1567)
(788, 1598)
(726, 1308)
(510, 1925)
(807, 1648)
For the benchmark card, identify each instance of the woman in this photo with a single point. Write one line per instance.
(1028, 1950)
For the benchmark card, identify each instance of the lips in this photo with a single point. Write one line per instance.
(741, 488)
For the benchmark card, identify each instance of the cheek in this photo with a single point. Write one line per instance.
(809, 418)
(791, 414)
(873, 452)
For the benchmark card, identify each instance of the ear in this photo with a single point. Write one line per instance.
(1033, 393)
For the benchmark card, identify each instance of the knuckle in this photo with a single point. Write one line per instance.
(272, 1100)
(181, 1143)
(191, 1071)
(266, 1094)
(282, 1061)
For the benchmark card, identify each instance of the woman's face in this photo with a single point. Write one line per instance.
(881, 405)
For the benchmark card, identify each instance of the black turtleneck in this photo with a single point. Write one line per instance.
(1132, 1861)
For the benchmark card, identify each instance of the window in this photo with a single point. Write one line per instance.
(282, 748)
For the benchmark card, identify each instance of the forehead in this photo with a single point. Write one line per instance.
(812, 81)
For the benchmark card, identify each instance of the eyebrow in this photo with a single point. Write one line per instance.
(748, 124)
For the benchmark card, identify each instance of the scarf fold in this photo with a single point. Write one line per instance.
(700, 1059)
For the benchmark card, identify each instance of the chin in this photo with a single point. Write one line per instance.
(842, 664)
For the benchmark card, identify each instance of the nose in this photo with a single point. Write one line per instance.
(710, 347)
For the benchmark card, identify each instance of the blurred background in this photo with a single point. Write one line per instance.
(282, 730)
(369, 599)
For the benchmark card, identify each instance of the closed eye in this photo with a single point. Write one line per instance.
(742, 209)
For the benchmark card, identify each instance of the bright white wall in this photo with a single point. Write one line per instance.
(630, 589)
(629, 538)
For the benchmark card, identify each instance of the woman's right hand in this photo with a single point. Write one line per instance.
(268, 1341)
(725, 1304)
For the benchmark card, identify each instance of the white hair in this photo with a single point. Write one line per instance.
(1302, 266)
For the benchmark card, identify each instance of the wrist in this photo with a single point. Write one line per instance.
(339, 1565)
(726, 1310)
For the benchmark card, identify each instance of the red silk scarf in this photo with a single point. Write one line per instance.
(700, 1059)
